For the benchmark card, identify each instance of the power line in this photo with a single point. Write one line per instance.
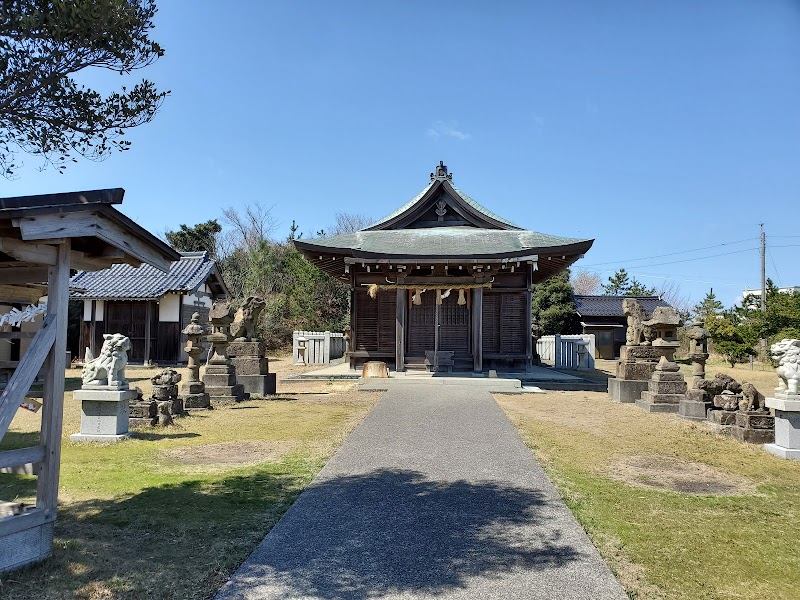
(627, 260)
(673, 262)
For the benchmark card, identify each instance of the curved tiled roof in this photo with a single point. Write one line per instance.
(611, 306)
(440, 241)
(124, 282)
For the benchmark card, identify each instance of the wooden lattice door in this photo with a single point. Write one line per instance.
(422, 325)
(453, 325)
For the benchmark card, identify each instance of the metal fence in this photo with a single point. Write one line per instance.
(567, 351)
(317, 347)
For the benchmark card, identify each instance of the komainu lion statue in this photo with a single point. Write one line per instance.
(787, 354)
(243, 328)
(109, 367)
(636, 315)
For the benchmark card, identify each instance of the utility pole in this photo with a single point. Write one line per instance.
(763, 270)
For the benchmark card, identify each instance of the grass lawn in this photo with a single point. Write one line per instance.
(676, 510)
(171, 513)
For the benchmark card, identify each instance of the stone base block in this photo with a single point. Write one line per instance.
(755, 420)
(143, 410)
(219, 380)
(140, 422)
(625, 390)
(94, 437)
(197, 402)
(753, 436)
(777, 450)
(229, 393)
(193, 387)
(657, 407)
(165, 392)
(661, 387)
(250, 365)
(258, 385)
(656, 398)
(237, 349)
(787, 429)
(693, 410)
(104, 414)
(721, 417)
(636, 370)
(723, 399)
(696, 395)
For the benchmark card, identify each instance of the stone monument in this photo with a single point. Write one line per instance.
(665, 388)
(104, 394)
(247, 353)
(220, 377)
(786, 401)
(193, 391)
(726, 395)
(697, 402)
(647, 341)
(754, 423)
(165, 390)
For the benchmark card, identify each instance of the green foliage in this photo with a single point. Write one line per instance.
(709, 306)
(553, 306)
(44, 44)
(733, 335)
(621, 284)
(202, 236)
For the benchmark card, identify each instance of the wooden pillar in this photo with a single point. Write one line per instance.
(528, 318)
(353, 319)
(400, 332)
(53, 397)
(477, 329)
(93, 330)
(147, 320)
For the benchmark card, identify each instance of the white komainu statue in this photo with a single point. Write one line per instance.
(109, 367)
(787, 354)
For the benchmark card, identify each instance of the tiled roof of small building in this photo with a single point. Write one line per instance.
(611, 306)
(124, 282)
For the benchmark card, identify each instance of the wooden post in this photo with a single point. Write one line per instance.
(53, 397)
(528, 317)
(326, 347)
(477, 329)
(92, 330)
(147, 319)
(400, 332)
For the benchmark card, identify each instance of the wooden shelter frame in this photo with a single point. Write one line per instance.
(43, 238)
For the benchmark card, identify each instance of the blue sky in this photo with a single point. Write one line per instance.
(653, 127)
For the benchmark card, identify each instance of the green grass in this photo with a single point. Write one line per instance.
(667, 544)
(136, 520)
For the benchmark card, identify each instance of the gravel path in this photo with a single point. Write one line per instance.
(434, 495)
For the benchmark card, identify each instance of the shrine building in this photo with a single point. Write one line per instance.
(442, 283)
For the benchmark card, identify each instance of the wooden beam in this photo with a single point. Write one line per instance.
(147, 322)
(20, 293)
(23, 275)
(53, 401)
(45, 254)
(27, 520)
(26, 372)
(16, 335)
(90, 224)
(477, 329)
(21, 456)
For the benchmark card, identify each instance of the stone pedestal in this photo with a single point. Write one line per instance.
(626, 390)
(143, 413)
(194, 396)
(665, 389)
(787, 426)
(221, 386)
(754, 427)
(251, 366)
(634, 368)
(722, 421)
(104, 414)
(694, 406)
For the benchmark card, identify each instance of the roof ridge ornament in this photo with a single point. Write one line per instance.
(441, 173)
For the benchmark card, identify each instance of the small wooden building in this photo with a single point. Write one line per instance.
(151, 307)
(442, 282)
(43, 238)
(603, 316)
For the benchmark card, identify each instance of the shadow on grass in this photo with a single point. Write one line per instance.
(154, 436)
(393, 532)
(169, 541)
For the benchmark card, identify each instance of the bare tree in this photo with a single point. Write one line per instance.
(585, 283)
(671, 292)
(250, 228)
(349, 223)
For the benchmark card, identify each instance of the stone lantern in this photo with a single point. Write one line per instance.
(220, 377)
(193, 390)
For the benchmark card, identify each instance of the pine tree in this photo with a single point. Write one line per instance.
(709, 306)
(553, 306)
(621, 284)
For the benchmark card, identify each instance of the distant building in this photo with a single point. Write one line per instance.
(602, 316)
(795, 289)
(149, 306)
